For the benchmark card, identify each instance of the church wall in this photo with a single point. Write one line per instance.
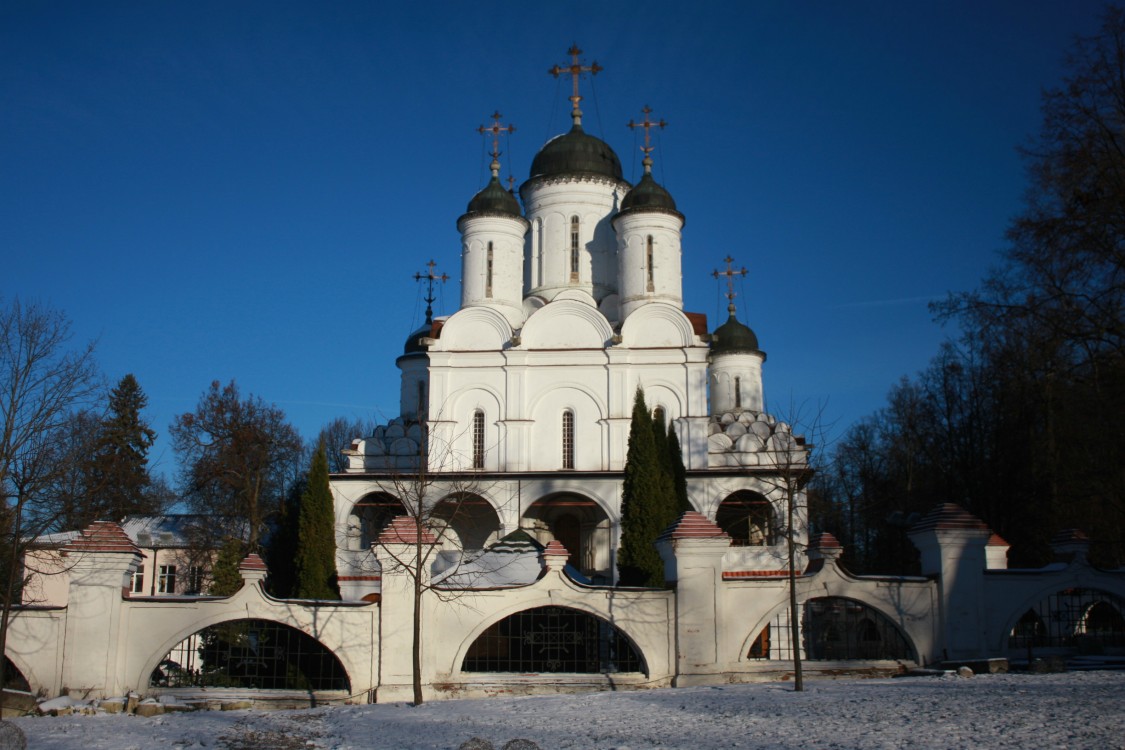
(550, 206)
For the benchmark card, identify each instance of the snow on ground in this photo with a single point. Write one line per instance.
(1074, 710)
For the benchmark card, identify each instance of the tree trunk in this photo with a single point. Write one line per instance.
(794, 613)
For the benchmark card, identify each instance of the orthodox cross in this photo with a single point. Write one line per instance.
(647, 125)
(730, 273)
(575, 69)
(430, 277)
(496, 129)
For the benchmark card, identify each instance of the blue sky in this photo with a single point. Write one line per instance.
(219, 190)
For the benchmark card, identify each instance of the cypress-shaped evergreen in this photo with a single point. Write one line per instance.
(316, 539)
(678, 473)
(646, 503)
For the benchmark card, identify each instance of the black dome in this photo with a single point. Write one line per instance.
(733, 337)
(494, 199)
(414, 340)
(647, 195)
(576, 153)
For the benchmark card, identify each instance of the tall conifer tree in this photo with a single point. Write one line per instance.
(316, 539)
(117, 479)
(678, 473)
(646, 505)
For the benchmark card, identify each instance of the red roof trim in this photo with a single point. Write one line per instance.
(693, 525)
(103, 536)
(253, 561)
(950, 516)
(555, 547)
(735, 574)
(404, 530)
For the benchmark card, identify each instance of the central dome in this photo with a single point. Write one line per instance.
(576, 153)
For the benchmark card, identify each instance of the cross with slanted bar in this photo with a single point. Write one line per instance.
(496, 129)
(648, 125)
(430, 277)
(576, 69)
(730, 273)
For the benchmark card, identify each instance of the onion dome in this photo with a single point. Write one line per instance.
(576, 153)
(414, 340)
(733, 337)
(494, 199)
(647, 195)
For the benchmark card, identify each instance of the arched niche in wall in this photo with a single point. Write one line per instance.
(657, 325)
(567, 323)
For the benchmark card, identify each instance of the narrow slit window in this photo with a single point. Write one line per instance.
(568, 439)
(649, 265)
(488, 273)
(478, 439)
(574, 248)
(738, 393)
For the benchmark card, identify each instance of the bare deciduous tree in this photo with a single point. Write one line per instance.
(43, 383)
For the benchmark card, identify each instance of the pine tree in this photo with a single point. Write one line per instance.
(316, 539)
(117, 479)
(646, 503)
(225, 576)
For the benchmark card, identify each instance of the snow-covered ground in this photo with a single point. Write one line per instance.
(1075, 710)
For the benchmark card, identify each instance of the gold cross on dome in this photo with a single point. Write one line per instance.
(729, 273)
(430, 277)
(496, 129)
(575, 69)
(648, 125)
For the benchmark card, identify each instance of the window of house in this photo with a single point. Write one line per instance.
(568, 439)
(138, 583)
(738, 393)
(478, 439)
(574, 248)
(649, 265)
(194, 580)
(166, 581)
(658, 415)
(488, 273)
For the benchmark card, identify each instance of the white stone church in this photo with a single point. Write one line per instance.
(504, 471)
(524, 395)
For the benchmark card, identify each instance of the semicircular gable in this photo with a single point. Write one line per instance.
(657, 325)
(475, 329)
(566, 324)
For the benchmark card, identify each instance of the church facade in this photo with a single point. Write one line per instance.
(569, 306)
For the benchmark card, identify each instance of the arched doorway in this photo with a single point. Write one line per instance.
(464, 525)
(1071, 621)
(748, 518)
(580, 525)
(552, 640)
(256, 654)
(370, 516)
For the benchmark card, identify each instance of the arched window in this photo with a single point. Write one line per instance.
(478, 439)
(658, 415)
(574, 248)
(568, 439)
(423, 407)
(488, 273)
(737, 393)
(257, 654)
(649, 265)
(552, 639)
